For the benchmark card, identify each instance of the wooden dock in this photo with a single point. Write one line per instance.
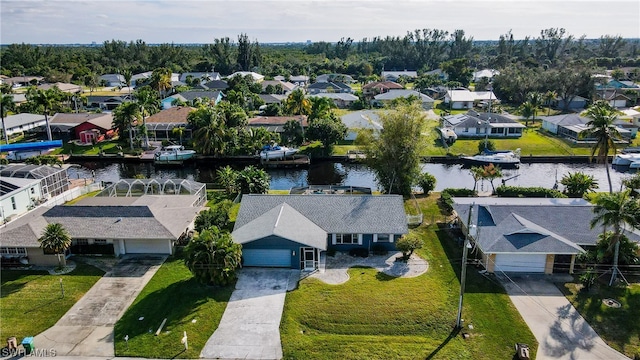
(294, 161)
(356, 155)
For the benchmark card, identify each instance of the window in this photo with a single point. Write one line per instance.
(346, 238)
(100, 241)
(81, 241)
(383, 237)
(13, 250)
(33, 191)
(13, 203)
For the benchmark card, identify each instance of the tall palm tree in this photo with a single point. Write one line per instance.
(178, 131)
(49, 100)
(127, 75)
(601, 128)
(6, 104)
(616, 210)
(124, 116)
(210, 139)
(55, 239)
(549, 96)
(148, 104)
(161, 80)
(526, 110)
(535, 98)
(297, 104)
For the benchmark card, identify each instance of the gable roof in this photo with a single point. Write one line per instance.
(283, 221)
(329, 85)
(216, 84)
(276, 120)
(383, 85)
(103, 122)
(74, 119)
(396, 74)
(256, 77)
(22, 119)
(394, 94)
(334, 78)
(203, 94)
(334, 213)
(566, 119)
(272, 98)
(64, 87)
(363, 119)
(205, 76)
(336, 96)
(286, 86)
(176, 114)
(470, 96)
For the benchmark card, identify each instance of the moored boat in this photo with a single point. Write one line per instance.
(500, 158)
(173, 154)
(276, 152)
(625, 159)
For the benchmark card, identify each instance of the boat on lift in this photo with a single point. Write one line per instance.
(276, 152)
(172, 154)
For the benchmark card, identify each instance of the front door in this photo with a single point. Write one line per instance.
(308, 259)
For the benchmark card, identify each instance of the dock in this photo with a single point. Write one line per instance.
(356, 155)
(294, 161)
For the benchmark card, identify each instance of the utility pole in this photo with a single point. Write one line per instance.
(463, 273)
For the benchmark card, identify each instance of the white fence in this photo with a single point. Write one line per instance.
(72, 194)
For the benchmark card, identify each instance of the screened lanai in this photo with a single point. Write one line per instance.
(140, 187)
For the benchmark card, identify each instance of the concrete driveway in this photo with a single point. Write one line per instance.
(87, 328)
(561, 331)
(250, 325)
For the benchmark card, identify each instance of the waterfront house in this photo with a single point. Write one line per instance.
(19, 123)
(161, 124)
(292, 231)
(66, 126)
(276, 123)
(53, 180)
(474, 124)
(106, 102)
(528, 235)
(358, 120)
(387, 97)
(206, 96)
(574, 127)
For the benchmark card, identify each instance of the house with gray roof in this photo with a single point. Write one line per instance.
(343, 78)
(396, 75)
(574, 127)
(530, 235)
(203, 76)
(362, 119)
(474, 125)
(18, 123)
(329, 87)
(340, 100)
(384, 98)
(149, 224)
(292, 231)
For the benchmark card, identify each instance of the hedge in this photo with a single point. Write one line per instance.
(528, 192)
(447, 194)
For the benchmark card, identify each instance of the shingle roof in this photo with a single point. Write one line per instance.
(339, 96)
(403, 93)
(365, 214)
(383, 85)
(172, 115)
(277, 120)
(287, 86)
(216, 84)
(283, 221)
(64, 87)
(22, 119)
(566, 119)
(76, 119)
(204, 94)
(272, 98)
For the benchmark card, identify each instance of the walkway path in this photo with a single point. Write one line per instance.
(561, 331)
(250, 325)
(87, 328)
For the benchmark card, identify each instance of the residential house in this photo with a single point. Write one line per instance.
(276, 123)
(188, 97)
(255, 76)
(633, 115)
(64, 87)
(161, 124)
(528, 235)
(474, 124)
(140, 79)
(53, 179)
(203, 76)
(298, 80)
(340, 100)
(112, 80)
(19, 81)
(573, 127)
(19, 123)
(384, 98)
(574, 103)
(272, 98)
(396, 75)
(380, 87)
(213, 85)
(68, 126)
(626, 125)
(292, 231)
(340, 78)
(485, 73)
(466, 99)
(18, 196)
(150, 224)
(439, 73)
(19, 99)
(105, 103)
(358, 120)
(279, 87)
(329, 87)
(615, 98)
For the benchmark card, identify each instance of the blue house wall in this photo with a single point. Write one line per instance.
(367, 243)
(278, 243)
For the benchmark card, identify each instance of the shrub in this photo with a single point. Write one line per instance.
(408, 244)
(360, 252)
(490, 145)
(427, 183)
(378, 249)
(331, 252)
(528, 192)
(447, 194)
(588, 278)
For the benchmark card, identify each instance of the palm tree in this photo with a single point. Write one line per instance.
(320, 108)
(127, 75)
(178, 131)
(297, 104)
(49, 100)
(161, 80)
(476, 173)
(535, 98)
(210, 139)
(124, 116)
(148, 104)
(6, 104)
(616, 210)
(55, 239)
(601, 128)
(213, 257)
(527, 110)
(491, 172)
(578, 184)
(549, 97)
(227, 177)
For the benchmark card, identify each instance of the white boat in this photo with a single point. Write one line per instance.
(635, 165)
(625, 159)
(276, 152)
(447, 134)
(501, 158)
(173, 154)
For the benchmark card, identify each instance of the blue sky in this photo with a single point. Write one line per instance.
(155, 21)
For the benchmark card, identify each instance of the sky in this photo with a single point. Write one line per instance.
(187, 21)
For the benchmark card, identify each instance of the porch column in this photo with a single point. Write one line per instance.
(548, 266)
(491, 263)
(573, 263)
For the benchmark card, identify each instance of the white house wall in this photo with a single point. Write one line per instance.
(23, 199)
(21, 128)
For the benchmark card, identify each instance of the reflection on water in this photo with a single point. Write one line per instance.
(330, 173)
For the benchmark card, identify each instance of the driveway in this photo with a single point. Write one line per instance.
(250, 325)
(561, 331)
(87, 328)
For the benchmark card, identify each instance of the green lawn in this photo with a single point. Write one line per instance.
(174, 294)
(374, 316)
(618, 327)
(32, 302)
(108, 147)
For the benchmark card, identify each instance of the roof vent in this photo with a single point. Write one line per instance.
(118, 219)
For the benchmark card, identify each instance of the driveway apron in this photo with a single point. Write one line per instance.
(561, 331)
(250, 325)
(87, 328)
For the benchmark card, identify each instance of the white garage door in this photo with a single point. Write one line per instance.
(147, 246)
(619, 103)
(533, 263)
(267, 258)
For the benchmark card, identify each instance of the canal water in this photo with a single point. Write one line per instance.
(335, 173)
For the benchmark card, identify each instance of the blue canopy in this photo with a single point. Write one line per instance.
(38, 145)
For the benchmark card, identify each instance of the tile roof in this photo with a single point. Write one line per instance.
(365, 214)
(176, 114)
